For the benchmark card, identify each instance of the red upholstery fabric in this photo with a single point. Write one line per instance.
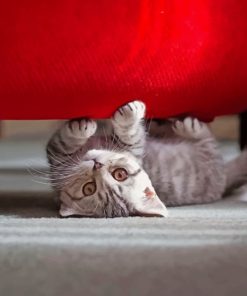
(71, 58)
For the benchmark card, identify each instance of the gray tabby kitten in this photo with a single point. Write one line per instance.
(131, 174)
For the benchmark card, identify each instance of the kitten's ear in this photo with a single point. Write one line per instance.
(67, 206)
(66, 211)
(151, 206)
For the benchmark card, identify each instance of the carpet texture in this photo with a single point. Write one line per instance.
(198, 250)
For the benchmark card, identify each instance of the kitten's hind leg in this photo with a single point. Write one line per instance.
(128, 127)
(191, 128)
(70, 138)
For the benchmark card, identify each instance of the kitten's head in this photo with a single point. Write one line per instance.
(110, 184)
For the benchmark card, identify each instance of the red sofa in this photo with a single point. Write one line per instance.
(71, 58)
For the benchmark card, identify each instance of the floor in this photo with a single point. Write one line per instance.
(198, 250)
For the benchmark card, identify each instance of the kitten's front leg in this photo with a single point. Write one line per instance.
(70, 138)
(129, 131)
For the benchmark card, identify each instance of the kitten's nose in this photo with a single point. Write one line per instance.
(97, 165)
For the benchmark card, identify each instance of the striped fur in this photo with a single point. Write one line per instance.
(185, 167)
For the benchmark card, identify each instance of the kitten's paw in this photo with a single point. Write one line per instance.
(130, 113)
(81, 128)
(191, 128)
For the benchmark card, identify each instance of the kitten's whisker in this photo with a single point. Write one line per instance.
(63, 161)
(58, 161)
(32, 171)
(106, 138)
(149, 125)
(48, 173)
(39, 182)
(67, 157)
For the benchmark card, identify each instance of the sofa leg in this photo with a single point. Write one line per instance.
(243, 130)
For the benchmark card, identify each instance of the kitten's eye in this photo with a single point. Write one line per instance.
(89, 188)
(120, 174)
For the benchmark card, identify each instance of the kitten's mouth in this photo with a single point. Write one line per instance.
(97, 165)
